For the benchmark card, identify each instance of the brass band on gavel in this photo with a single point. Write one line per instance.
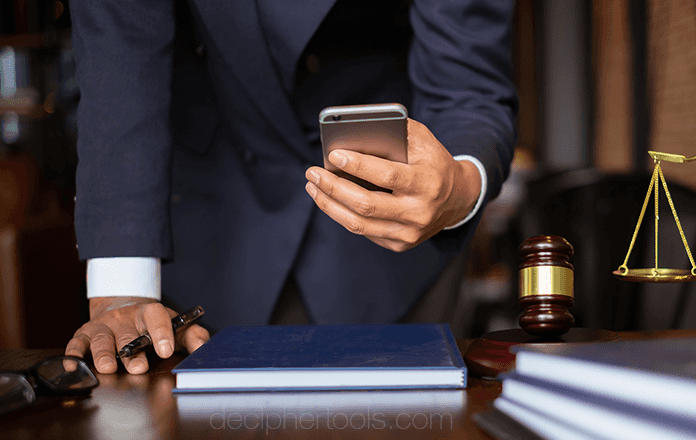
(546, 286)
(546, 280)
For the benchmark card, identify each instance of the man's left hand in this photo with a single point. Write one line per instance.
(430, 192)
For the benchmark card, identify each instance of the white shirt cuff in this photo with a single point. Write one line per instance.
(124, 276)
(482, 195)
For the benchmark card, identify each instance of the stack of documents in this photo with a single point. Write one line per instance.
(617, 390)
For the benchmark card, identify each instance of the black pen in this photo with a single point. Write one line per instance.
(178, 322)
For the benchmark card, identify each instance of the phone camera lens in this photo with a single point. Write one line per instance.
(336, 117)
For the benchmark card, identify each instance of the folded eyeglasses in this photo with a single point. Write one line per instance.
(55, 376)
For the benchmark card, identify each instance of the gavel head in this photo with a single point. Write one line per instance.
(546, 286)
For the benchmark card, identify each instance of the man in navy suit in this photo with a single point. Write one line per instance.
(198, 144)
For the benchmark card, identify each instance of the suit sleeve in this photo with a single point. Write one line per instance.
(461, 73)
(124, 68)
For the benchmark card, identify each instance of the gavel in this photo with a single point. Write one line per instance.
(545, 293)
(546, 286)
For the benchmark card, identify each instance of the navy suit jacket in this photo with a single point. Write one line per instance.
(200, 159)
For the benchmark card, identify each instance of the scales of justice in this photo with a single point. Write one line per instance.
(546, 289)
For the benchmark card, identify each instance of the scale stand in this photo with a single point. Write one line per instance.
(657, 274)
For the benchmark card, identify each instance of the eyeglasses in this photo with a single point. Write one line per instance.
(57, 376)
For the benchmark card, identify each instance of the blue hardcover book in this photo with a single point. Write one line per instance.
(324, 357)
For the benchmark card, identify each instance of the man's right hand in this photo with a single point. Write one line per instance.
(116, 321)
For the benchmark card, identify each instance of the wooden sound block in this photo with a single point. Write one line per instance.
(490, 355)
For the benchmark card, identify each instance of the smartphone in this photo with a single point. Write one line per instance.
(376, 129)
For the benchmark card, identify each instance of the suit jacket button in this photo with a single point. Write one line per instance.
(248, 157)
(200, 50)
(312, 63)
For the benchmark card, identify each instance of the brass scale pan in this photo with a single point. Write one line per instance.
(656, 276)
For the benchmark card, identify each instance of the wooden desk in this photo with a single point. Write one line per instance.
(143, 407)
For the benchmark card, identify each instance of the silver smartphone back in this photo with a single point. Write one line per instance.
(376, 129)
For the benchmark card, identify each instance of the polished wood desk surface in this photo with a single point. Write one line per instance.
(143, 407)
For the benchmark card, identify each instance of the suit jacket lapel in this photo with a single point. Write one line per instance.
(249, 57)
(288, 26)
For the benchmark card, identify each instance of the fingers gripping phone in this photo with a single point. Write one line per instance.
(376, 129)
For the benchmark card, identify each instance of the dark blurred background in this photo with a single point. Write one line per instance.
(42, 282)
(601, 82)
